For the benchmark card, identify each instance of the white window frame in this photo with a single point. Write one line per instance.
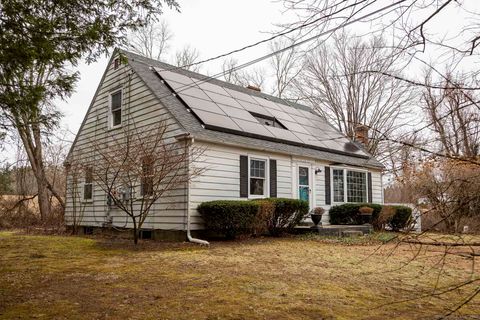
(311, 182)
(266, 189)
(83, 188)
(110, 112)
(345, 186)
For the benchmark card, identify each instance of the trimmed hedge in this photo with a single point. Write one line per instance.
(286, 215)
(348, 213)
(232, 217)
(228, 217)
(402, 219)
(395, 217)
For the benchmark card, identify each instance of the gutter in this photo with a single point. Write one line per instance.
(188, 141)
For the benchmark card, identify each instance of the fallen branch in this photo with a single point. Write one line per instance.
(442, 243)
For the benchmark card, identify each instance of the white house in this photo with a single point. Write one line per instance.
(256, 145)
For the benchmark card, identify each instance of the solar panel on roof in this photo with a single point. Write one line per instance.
(253, 127)
(216, 120)
(241, 96)
(220, 108)
(255, 108)
(238, 113)
(228, 100)
(266, 103)
(201, 104)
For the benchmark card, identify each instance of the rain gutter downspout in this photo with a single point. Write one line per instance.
(188, 141)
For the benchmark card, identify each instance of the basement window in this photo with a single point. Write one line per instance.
(146, 234)
(268, 121)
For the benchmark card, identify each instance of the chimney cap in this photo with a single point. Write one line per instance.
(255, 88)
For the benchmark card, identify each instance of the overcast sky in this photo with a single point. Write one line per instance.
(211, 26)
(214, 27)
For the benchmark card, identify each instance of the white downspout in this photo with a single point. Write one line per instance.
(189, 140)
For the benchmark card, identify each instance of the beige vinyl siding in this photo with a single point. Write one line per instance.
(221, 178)
(140, 109)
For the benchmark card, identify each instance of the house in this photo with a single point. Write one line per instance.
(256, 145)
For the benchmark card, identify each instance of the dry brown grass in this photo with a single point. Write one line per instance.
(290, 278)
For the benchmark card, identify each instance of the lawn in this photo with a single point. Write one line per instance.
(300, 277)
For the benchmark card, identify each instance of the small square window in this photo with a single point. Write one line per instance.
(116, 109)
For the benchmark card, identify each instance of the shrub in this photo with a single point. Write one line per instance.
(287, 214)
(385, 216)
(348, 213)
(319, 210)
(228, 217)
(401, 219)
(264, 215)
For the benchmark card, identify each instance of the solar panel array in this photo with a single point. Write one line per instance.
(221, 108)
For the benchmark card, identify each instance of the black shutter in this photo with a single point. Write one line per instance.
(243, 177)
(328, 196)
(369, 186)
(273, 178)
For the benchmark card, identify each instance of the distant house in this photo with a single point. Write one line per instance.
(256, 145)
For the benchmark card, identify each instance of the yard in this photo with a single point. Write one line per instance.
(287, 278)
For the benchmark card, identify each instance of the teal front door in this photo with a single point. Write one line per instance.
(304, 184)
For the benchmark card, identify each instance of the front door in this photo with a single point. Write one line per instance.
(304, 184)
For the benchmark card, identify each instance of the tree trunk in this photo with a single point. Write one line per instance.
(135, 232)
(43, 200)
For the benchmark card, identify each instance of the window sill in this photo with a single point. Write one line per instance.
(114, 128)
(250, 196)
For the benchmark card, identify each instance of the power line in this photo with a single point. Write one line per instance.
(254, 61)
(275, 36)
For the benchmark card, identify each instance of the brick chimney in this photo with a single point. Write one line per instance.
(361, 134)
(255, 88)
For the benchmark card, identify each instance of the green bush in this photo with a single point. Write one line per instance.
(395, 217)
(228, 217)
(401, 219)
(348, 213)
(287, 214)
(272, 215)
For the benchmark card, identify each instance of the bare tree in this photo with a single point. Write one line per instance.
(286, 65)
(152, 40)
(230, 73)
(75, 170)
(137, 170)
(331, 83)
(454, 117)
(186, 58)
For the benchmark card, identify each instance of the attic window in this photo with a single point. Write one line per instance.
(268, 121)
(116, 63)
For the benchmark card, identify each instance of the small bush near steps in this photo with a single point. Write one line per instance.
(382, 216)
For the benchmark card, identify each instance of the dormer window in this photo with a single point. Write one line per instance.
(268, 121)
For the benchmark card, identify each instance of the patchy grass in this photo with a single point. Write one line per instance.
(307, 277)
